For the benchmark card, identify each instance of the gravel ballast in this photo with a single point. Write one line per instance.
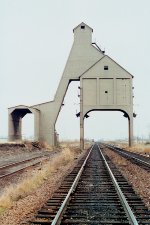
(136, 176)
(23, 210)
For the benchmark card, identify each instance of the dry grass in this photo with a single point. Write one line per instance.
(37, 144)
(140, 147)
(87, 145)
(28, 185)
(75, 144)
(147, 150)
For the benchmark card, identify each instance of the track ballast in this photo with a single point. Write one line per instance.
(135, 158)
(96, 198)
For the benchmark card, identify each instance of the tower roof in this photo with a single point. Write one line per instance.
(83, 24)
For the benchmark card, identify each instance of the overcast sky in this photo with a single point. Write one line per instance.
(35, 40)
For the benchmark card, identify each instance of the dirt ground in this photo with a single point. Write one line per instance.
(10, 153)
(22, 210)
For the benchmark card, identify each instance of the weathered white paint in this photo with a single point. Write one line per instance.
(109, 89)
(85, 63)
(15, 116)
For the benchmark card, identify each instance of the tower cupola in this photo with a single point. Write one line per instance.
(83, 34)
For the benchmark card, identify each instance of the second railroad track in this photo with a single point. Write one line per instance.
(136, 158)
(14, 167)
(95, 192)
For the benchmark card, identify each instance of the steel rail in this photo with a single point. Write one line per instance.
(19, 162)
(58, 216)
(130, 215)
(129, 156)
(25, 167)
(133, 157)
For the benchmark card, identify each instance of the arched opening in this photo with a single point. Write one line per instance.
(23, 124)
(28, 127)
(106, 126)
(68, 125)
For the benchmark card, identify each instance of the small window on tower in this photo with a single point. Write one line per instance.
(105, 67)
(82, 27)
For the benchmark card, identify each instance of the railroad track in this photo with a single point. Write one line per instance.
(136, 158)
(14, 167)
(95, 192)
